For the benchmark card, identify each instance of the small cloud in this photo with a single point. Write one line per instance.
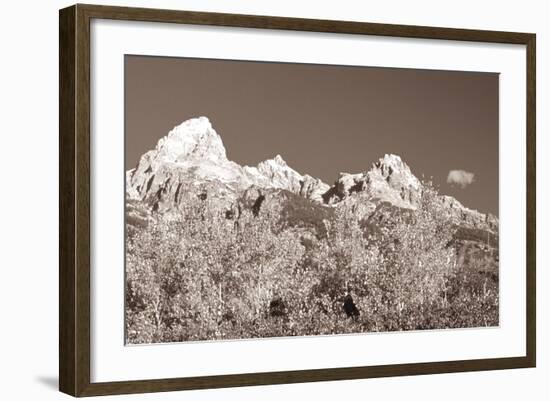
(460, 177)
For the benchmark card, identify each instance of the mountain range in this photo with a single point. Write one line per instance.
(192, 157)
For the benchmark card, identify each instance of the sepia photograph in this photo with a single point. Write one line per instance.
(270, 199)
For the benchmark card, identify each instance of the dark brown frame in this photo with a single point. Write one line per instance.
(74, 200)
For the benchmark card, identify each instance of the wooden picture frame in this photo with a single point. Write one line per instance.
(74, 200)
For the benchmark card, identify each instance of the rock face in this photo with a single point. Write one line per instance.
(191, 160)
(313, 188)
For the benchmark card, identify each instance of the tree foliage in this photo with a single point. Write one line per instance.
(199, 275)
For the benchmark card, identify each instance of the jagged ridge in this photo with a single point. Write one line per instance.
(192, 155)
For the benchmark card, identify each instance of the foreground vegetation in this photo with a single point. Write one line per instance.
(203, 276)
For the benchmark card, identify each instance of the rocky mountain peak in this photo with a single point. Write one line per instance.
(192, 139)
(275, 164)
(393, 165)
(280, 174)
(390, 179)
(391, 160)
(279, 160)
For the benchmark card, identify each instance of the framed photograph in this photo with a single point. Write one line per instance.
(250, 200)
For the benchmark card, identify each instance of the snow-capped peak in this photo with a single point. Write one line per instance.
(192, 139)
(391, 161)
(279, 173)
(393, 169)
(193, 153)
(275, 164)
(279, 160)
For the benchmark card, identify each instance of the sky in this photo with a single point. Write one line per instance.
(327, 119)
